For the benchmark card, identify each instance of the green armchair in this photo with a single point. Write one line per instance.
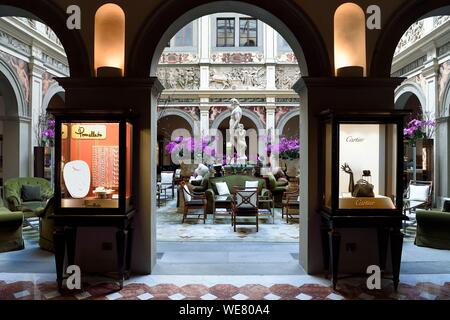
(231, 181)
(277, 187)
(433, 229)
(10, 229)
(13, 189)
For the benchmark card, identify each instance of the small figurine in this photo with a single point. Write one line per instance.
(351, 186)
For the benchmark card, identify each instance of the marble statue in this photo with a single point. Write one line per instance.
(237, 132)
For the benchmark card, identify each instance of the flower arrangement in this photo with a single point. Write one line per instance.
(45, 131)
(287, 148)
(419, 129)
(192, 145)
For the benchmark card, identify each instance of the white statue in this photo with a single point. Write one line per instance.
(237, 133)
(241, 145)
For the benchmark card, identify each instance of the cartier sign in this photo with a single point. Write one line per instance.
(88, 132)
(352, 139)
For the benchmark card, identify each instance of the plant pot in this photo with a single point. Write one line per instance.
(39, 165)
(292, 167)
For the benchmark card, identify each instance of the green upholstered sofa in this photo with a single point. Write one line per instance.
(433, 229)
(277, 188)
(231, 181)
(13, 190)
(10, 229)
(46, 226)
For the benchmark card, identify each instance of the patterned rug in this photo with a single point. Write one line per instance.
(170, 228)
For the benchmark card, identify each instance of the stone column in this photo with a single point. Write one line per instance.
(271, 128)
(37, 69)
(269, 52)
(204, 26)
(204, 117)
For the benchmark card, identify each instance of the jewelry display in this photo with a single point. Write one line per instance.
(105, 167)
(77, 178)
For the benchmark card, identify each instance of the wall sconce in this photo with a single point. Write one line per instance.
(350, 41)
(109, 46)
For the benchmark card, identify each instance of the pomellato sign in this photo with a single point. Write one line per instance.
(88, 132)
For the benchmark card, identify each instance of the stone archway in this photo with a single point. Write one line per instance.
(16, 125)
(295, 27)
(394, 29)
(54, 17)
(285, 119)
(176, 112)
(404, 92)
(54, 90)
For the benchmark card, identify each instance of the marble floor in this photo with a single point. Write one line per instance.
(303, 287)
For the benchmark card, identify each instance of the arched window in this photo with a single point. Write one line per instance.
(349, 37)
(109, 40)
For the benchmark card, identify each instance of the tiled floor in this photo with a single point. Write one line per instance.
(34, 287)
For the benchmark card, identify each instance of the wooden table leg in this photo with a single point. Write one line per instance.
(71, 239)
(335, 245)
(325, 250)
(396, 254)
(60, 252)
(121, 240)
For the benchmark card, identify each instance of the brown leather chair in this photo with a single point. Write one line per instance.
(192, 201)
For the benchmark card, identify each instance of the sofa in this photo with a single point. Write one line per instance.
(277, 186)
(231, 181)
(13, 194)
(46, 226)
(433, 229)
(10, 229)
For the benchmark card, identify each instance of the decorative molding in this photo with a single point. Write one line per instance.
(237, 57)
(241, 100)
(179, 78)
(55, 64)
(286, 57)
(440, 20)
(178, 58)
(176, 101)
(414, 33)
(15, 44)
(286, 76)
(288, 100)
(237, 78)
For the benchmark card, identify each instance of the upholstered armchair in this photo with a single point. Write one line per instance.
(10, 229)
(13, 194)
(46, 225)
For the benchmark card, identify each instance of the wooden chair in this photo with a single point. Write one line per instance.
(244, 203)
(167, 181)
(192, 201)
(426, 197)
(290, 202)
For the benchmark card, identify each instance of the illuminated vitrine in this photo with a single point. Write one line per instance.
(362, 161)
(93, 163)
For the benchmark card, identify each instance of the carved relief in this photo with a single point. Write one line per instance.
(237, 78)
(179, 78)
(444, 78)
(286, 76)
(287, 57)
(414, 33)
(237, 57)
(21, 70)
(55, 64)
(440, 20)
(47, 81)
(174, 58)
(11, 42)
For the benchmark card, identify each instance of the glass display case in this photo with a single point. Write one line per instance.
(93, 164)
(362, 161)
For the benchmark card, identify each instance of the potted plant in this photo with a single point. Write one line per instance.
(288, 150)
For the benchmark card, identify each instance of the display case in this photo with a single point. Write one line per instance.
(93, 167)
(362, 161)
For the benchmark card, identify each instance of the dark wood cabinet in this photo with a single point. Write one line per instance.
(362, 164)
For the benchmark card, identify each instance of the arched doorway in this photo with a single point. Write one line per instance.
(292, 20)
(170, 123)
(289, 124)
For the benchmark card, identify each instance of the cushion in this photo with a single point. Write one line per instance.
(272, 181)
(31, 193)
(251, 184)
(222, 188)
(187, 195)
(167, 177)
(202, 170)
(419, 193)
(446, 205)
